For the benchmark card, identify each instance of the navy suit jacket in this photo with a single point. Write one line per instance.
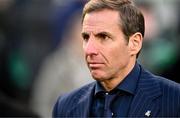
(155, 97)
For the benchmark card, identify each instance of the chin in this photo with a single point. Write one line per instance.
(99, 77)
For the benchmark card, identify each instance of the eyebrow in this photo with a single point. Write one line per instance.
(103, 32)
(106, 33)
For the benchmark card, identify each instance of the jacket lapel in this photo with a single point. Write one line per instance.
(82, 104)
(145, 102)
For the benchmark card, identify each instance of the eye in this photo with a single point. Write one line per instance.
(103, 36)
(85, 36)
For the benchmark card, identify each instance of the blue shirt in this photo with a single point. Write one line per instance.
(118, 100)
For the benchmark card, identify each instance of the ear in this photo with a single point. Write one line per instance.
(135, 43)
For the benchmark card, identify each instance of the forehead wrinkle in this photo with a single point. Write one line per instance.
(99, 21)
(98, 28)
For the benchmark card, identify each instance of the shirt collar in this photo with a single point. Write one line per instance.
(129, 84)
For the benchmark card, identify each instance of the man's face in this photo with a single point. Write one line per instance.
(106, 50)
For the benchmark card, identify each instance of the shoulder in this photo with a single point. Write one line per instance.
(167, 83)
(68, 100)
(170, 90)
(163, 82)
(77, 93)
(170, 97)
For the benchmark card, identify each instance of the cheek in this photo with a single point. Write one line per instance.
(118, 55)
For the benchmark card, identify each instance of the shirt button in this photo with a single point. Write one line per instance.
(112, 114)
(107, 93)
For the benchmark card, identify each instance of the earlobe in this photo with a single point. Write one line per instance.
(135, 43)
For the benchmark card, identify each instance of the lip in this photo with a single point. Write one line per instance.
(95, 64)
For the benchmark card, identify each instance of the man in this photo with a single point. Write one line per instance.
(112, 32)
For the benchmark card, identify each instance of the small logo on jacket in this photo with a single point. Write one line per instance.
(148, 113)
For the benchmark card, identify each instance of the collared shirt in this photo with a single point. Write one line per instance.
(118, 100)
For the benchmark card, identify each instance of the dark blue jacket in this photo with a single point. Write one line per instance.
(155, 97)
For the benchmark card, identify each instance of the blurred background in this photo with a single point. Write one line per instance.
(41, 54)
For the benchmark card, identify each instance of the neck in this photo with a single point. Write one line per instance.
(111, 83)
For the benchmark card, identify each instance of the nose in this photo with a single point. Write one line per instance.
(90, 47)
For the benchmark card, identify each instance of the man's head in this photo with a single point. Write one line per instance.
(112, 31)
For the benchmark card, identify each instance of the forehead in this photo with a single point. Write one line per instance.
(105, 19)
